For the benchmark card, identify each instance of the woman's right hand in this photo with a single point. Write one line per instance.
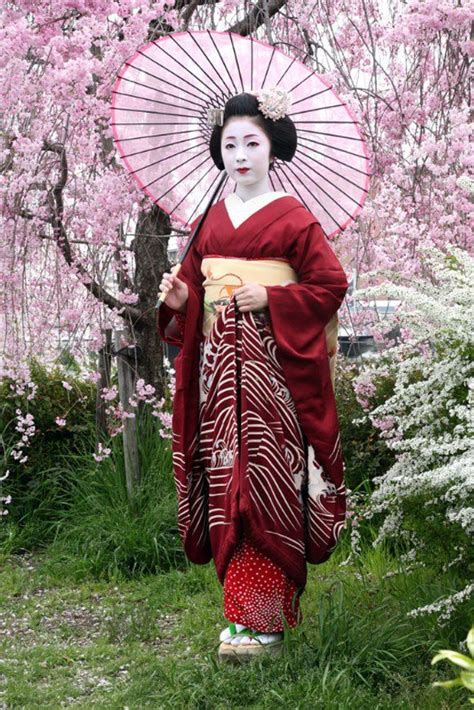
(176, 291)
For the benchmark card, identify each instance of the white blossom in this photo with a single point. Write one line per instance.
(427, 421)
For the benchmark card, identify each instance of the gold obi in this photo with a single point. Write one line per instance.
(223, 275)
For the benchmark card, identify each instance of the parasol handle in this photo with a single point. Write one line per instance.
(174, 272)
(176, 268)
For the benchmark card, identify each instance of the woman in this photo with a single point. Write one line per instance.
(256, 446)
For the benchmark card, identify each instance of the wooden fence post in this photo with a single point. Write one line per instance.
(126, 385)
(103, 368)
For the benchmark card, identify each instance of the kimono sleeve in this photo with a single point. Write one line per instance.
(299, 313)
(307, 307)
(171, 324)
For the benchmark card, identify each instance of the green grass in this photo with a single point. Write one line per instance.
(152, 641)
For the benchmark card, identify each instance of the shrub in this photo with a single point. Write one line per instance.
(366, 455)
(65, 493)
(101, 532)
(425, 497)
(35, 449)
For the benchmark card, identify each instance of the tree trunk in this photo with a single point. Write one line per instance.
(151, 260)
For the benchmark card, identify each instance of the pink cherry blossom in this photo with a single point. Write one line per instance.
(386, 64)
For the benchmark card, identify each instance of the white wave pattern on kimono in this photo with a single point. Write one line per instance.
(252, 463)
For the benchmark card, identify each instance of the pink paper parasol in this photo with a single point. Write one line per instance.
(160, 106)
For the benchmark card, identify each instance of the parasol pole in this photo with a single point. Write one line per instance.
(177, 267)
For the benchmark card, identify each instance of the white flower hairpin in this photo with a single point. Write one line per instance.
(273, 103)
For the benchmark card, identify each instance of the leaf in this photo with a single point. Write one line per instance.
(458, 659)
(470, 641)
(468, 680)
(454, 683)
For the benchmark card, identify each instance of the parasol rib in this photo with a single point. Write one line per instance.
(323, 208)
(268, 67)
(286, 71)
(197, 207)
(154, 135)
(332, 147)
(229, 91)
(331, 157)
(186, 68)
(159, 90)
(181, 179)
(312, 96)
(167, 157)
(154, 113)
(348, 123)
(155, 123)
(329, 196)
(223, 63)
(154, 101)
(339, 175)
(174, 169)
(160, 79)
(160, 147)
(318, 108)
(194, 61)
(300, 83)
(236, 61)
(294, 188)
(251, 64)
(332, 135)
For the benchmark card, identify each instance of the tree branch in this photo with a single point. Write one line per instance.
(189, 11)
(257, 16)
(55, 199)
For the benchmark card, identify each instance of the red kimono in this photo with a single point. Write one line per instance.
(269, 396)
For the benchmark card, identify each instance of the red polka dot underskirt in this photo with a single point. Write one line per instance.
(257, 593)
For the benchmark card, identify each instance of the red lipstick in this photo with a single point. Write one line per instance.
(242, 171)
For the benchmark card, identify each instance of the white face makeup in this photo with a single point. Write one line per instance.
(245, 152)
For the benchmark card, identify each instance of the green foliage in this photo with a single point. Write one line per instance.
(425, 497)
(40, 488)
(111, 536)
(365, 453)
(438, 544)
(62, 498)
(466, 675)
(61, 494)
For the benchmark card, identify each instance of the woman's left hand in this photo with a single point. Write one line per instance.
(251, 297)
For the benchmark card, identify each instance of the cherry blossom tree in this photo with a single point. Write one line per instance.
(82, 250)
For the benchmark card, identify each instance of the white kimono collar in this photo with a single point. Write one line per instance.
(239, 211)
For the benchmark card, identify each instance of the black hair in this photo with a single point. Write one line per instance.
(281, 133)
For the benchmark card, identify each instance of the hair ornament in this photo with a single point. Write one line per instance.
(215, 117)
(274, 103)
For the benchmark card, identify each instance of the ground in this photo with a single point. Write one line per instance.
(152, 642)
